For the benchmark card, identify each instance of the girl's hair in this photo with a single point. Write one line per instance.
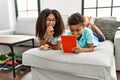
(41, 23)
(75, 19)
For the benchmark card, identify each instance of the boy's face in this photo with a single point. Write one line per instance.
(76, 30)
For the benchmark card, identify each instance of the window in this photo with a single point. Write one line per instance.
(27, 8)
(101, 8)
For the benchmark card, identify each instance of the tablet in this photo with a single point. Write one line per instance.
(68, 42)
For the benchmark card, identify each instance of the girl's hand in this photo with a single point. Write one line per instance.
(61, 47)
(50, 31)
(44, 47)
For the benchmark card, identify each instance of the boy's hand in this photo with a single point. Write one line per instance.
(76, 49)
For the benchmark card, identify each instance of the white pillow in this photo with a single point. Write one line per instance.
(25, 26)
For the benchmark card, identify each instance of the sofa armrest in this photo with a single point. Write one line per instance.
(7, 32)
(117, 49)
(117, 38)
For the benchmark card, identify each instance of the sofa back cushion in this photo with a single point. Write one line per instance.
(25, 26)
(107, 18)
(108, 27)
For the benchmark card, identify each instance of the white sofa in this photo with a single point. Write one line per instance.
(24, 26)
(56, 65)
(117, 50)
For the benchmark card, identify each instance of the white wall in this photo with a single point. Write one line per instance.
(12, 15)
(66, 7)
(4, 15)
(7, 15)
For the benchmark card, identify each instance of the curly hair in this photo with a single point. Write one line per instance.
(41, 23)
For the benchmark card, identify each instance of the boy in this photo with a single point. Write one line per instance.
(86, 41)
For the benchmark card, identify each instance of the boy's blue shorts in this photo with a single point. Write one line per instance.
(100, 38)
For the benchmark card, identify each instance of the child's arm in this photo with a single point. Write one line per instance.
(57, 46)
(49, 33)
(44, 41)
(78, 49)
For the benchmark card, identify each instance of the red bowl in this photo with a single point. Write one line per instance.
(10, 62)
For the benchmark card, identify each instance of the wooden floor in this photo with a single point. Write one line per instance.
(118, 75)
(24, 75)
(8, 75)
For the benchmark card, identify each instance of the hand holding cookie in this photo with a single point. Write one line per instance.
(50, 30)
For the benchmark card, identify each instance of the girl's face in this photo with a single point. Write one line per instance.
(76, 30)
(51, 20)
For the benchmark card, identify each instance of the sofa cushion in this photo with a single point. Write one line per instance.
(25, 26)
(101, 52)
(108, 18)
(108, 27)
(93, 63)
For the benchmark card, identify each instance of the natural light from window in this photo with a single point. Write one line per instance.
(27, 8)
(90, 3)
(103, 8)
(104, 12)
(104, 3)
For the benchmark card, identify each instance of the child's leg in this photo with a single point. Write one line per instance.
(95, 28)
(98, 31)
(100, 38)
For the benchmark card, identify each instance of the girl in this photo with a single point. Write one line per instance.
(85, 39)
(49, 27)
